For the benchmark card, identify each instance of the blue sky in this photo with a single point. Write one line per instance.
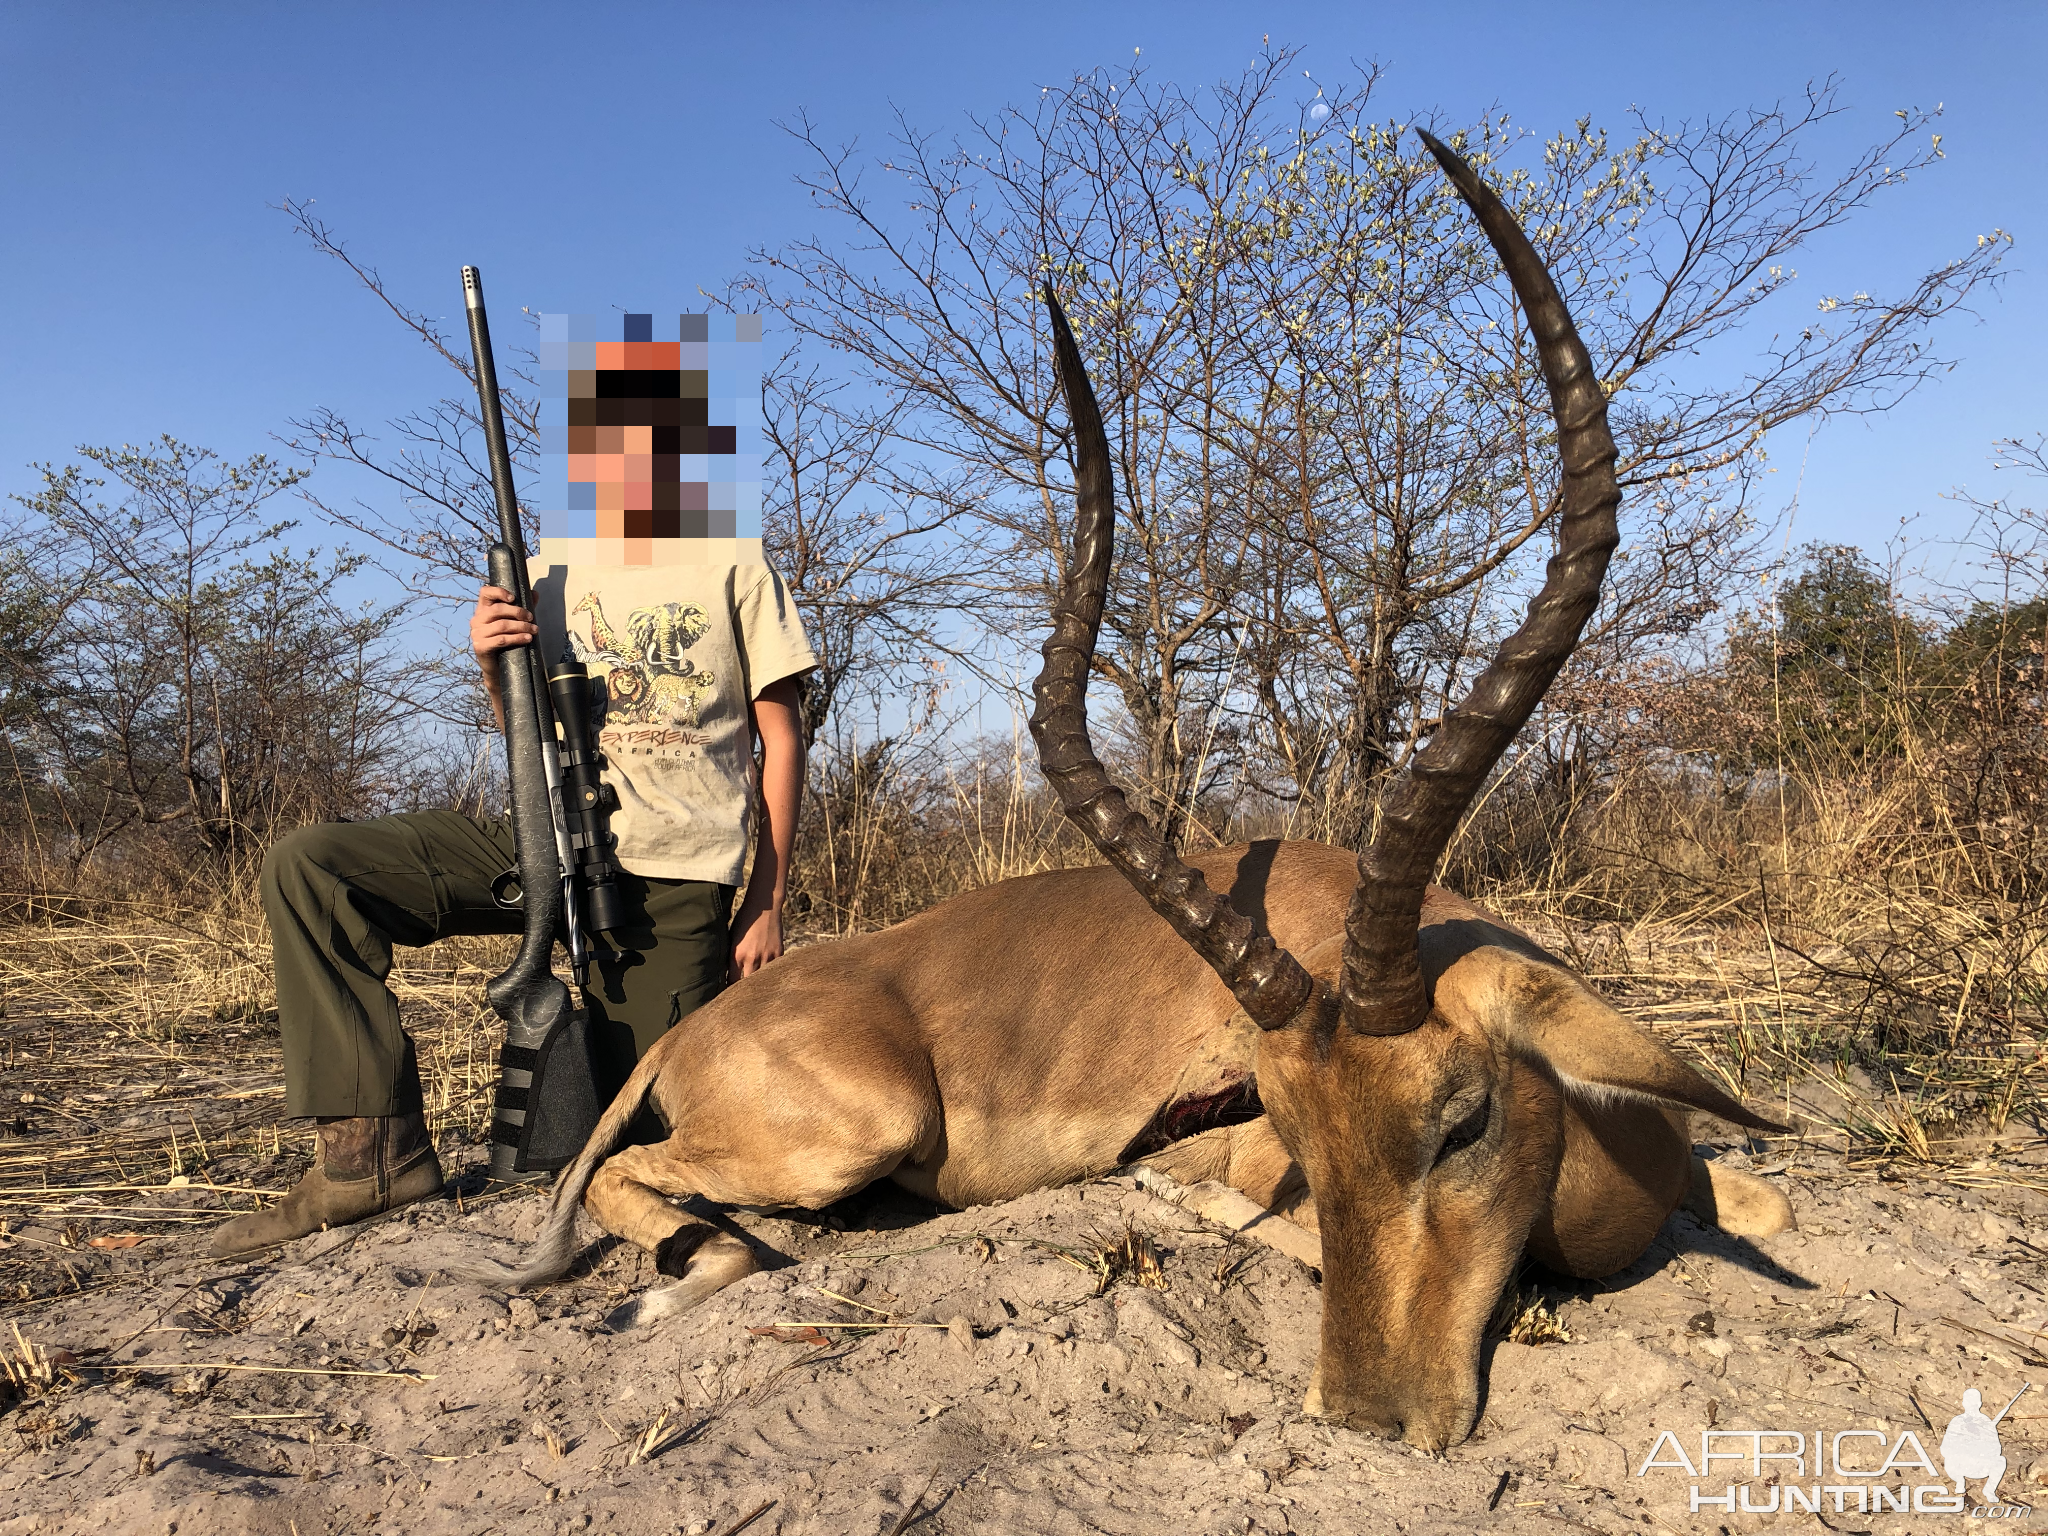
(629, 151)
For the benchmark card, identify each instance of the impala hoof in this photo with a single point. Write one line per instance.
(651, 1307)
(627, 1315)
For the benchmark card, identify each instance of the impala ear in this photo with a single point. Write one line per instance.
(1594, 1051)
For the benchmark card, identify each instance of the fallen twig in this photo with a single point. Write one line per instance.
(849, 1301)
(136, 1189)
(903, 1520)
(268, 1370)
(2026, 1352)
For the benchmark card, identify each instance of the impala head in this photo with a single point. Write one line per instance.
(1423, 1086)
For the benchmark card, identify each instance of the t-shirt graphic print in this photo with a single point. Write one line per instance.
(675, 655)
(644, 675)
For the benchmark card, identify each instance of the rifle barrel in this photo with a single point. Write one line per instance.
(523, 667)
(509, 530)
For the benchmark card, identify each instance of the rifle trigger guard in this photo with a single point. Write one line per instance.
(506, 892)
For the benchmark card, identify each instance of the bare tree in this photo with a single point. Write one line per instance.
(444, 515)
(1095, 189)
(871, 547)
(1326, 413)
(192, 674)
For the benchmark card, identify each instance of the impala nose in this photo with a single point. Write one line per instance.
(1369, 1415)
(1432, 1426)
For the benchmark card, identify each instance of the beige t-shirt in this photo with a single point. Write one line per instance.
(675, 654)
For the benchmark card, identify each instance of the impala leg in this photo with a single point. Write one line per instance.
(1190, 1161)
(1740, 1204)
(1265, 1170)
(627, 1197)
(1247, 1157)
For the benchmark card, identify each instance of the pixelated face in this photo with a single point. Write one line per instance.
(654, 440)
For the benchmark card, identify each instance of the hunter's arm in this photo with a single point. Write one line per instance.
(757, 927)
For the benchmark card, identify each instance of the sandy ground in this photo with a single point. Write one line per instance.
(1004, 1394)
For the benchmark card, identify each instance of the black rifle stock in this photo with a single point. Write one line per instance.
(548, 1099)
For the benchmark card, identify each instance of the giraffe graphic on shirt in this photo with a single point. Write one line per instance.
(645, 676)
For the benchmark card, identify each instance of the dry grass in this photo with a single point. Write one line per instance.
(1841, 953)
(140, 1081)
(888, 833)
(1844, 946)
(1130, 1255)
(1786, 1038)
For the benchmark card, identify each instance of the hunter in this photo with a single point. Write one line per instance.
(704, 662)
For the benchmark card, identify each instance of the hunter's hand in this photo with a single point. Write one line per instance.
(756, 939)
(498, 624)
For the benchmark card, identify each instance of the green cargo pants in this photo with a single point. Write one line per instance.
(339, 896)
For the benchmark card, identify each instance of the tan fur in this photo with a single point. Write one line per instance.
(1249, 1158)
(1739, 1203)
(1021, 1036)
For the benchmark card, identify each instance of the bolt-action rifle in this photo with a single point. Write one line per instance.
(565, 882)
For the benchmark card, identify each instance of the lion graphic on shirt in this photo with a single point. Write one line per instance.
(645, 675)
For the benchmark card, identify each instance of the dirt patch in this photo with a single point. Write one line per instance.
(137, 1116)
(904, 1370)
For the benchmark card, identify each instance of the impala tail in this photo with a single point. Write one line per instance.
(554, 1249)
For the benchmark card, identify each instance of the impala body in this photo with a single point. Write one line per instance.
(1325, 1032)
(1032, 1033)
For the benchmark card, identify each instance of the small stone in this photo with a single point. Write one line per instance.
(961, 1332)
(522, 1312)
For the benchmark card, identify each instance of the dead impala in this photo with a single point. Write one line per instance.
(1439, 1094)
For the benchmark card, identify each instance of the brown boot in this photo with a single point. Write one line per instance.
(367, 1164)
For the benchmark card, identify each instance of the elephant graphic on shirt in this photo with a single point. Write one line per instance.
(645, 675)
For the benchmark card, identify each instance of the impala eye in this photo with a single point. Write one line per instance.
(1468, 1130)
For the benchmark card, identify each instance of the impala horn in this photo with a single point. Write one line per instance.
(1269, 983)
(1383, 991)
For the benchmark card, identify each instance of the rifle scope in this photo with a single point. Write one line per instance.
(586, 798)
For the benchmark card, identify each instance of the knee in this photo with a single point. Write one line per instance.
(605, 1186)
(296, 855)
(611, 1190)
